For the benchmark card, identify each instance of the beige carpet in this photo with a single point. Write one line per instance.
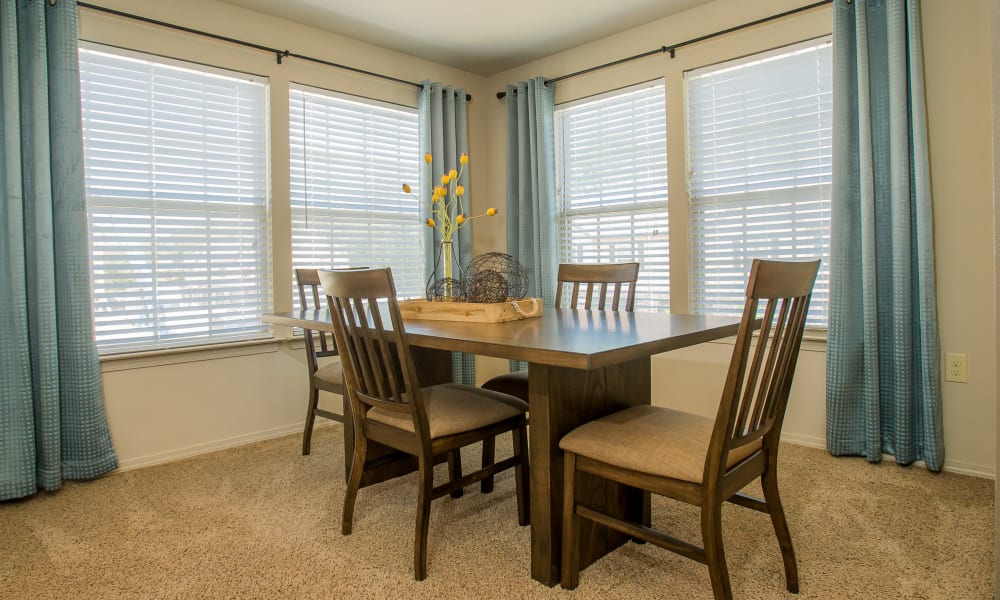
(262, 521)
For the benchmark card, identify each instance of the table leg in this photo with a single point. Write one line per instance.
(560, 399)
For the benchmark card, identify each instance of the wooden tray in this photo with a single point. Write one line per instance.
(472, 312)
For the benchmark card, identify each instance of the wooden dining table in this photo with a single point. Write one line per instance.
(582, 364)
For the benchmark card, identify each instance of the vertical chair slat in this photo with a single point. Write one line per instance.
(389, 352)
(793, 343)
(767, 393)
(750, 384)
(356, 338)
(737, 368)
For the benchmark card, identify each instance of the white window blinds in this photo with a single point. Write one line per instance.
(177, 200)
(611, 157)
(349, 159)
(760, 154)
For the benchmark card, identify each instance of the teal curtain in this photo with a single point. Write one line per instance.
(52, 421)
(444, 133)
(883, 389)
(532, 236)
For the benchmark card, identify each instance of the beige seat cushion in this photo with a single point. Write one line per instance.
(453, 408)
(331, 373)
(651, 439)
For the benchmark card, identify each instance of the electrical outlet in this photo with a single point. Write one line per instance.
(956, 367)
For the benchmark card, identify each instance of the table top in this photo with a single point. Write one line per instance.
(576, 338)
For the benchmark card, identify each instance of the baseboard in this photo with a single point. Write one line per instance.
(951, 466)
(182, 453)
(964, 468)
(809, 441)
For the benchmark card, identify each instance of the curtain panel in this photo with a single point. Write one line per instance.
(883, 389)
(444, 133)
(52, 421)
(532, 236)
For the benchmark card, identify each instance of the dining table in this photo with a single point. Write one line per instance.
(582, 364)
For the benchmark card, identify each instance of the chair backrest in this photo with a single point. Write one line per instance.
(378, 367)
(320, 342)
(756, 390)
(597, 277)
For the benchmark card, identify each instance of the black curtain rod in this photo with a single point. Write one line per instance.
(278, 54)
(673, 47)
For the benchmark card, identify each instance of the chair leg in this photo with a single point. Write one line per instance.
(570, 556)
(489, 452)
(310, 419)
(353, 484)
(769, 482)
(522, 475)
(715, 556)
(426, 482)
(455, 470)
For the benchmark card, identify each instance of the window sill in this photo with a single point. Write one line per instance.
(173, 356)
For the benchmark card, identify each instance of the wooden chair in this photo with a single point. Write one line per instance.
(695, 459)
(595, 280)
(388, 405)
(319, 344)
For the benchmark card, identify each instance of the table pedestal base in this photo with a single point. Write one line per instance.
(562, 398)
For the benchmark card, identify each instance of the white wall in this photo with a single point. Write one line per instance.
(956, 44)
(162, 408)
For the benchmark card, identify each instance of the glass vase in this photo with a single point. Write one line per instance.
(449, 287)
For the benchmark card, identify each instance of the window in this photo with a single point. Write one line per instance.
(349, 159)
(177, 200)
(760, 155)
(611, 165)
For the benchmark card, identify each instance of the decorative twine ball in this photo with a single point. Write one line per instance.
(495, 277)
(488, 286)
(446, 289)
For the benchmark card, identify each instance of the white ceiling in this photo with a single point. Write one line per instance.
(484, 37)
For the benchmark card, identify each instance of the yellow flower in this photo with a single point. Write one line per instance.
(447, 199)
(491, 211)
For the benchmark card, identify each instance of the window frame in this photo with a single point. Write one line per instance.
(783, 195)
(262, 223)
(655, 295)
(393, 189)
